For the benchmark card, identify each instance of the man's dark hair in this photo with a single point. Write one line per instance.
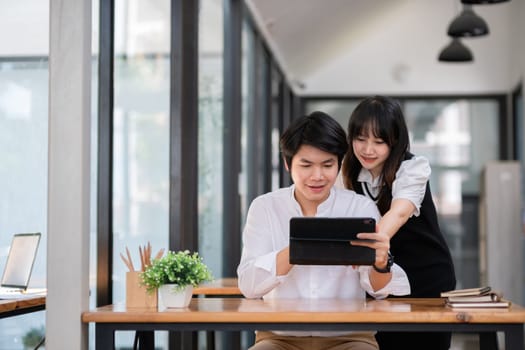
(318, 130)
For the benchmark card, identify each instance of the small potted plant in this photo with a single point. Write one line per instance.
(174, 275)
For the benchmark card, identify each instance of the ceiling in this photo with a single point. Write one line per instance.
(306, 33)
(316, 42)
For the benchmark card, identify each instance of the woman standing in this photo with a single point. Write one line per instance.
(379, 165)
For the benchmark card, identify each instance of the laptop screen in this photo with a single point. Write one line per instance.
(20, 260)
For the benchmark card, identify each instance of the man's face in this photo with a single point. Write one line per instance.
(313, 172)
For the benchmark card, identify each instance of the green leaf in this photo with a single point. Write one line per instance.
(181, 268)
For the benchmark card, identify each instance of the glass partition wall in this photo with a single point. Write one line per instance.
(140, 135)
(141, 140)
(23, 179)
(211, 124)
(24, 81)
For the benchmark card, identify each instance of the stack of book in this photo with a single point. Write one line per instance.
(481, 297)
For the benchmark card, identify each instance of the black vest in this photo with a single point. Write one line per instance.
(421, 250)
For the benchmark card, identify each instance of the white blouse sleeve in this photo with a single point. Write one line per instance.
(398, 285)
(411, 181)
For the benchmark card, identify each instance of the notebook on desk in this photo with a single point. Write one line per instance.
(19, 265)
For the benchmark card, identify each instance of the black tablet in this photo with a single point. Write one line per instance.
(325, 241)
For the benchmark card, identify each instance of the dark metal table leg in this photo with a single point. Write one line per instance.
(514, 338)
(104, 337)
(210, 340)
(146, 340)
(488, 341)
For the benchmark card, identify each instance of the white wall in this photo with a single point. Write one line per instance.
(28, 17)
(517, 46)
(69, 174)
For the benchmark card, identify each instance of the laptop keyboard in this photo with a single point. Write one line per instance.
(14, 293)
(4, 290)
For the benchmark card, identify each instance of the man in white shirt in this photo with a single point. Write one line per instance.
(313, 148)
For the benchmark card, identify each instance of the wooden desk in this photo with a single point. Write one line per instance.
(236, 314)
(222, 287)
(16, 307)
(219, 287)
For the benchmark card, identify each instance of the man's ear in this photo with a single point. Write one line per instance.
(286, 165)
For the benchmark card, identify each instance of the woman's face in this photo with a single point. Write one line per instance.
(372, 152)
(313, 172)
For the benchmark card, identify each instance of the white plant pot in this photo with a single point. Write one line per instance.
(170, 297)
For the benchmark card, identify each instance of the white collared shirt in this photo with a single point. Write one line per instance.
(267, 232)
(410, 181)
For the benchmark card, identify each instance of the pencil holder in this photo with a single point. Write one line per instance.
(136, 294)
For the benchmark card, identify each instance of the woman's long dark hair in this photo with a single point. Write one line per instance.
(382, 116)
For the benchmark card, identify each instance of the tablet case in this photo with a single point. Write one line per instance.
(325, 241)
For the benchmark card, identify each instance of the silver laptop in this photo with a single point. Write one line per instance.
(19, 264)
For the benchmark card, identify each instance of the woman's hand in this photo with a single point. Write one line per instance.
(379, 241)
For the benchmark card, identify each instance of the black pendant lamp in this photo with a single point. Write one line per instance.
(467, 24)
(455, 52)
(482, 2)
